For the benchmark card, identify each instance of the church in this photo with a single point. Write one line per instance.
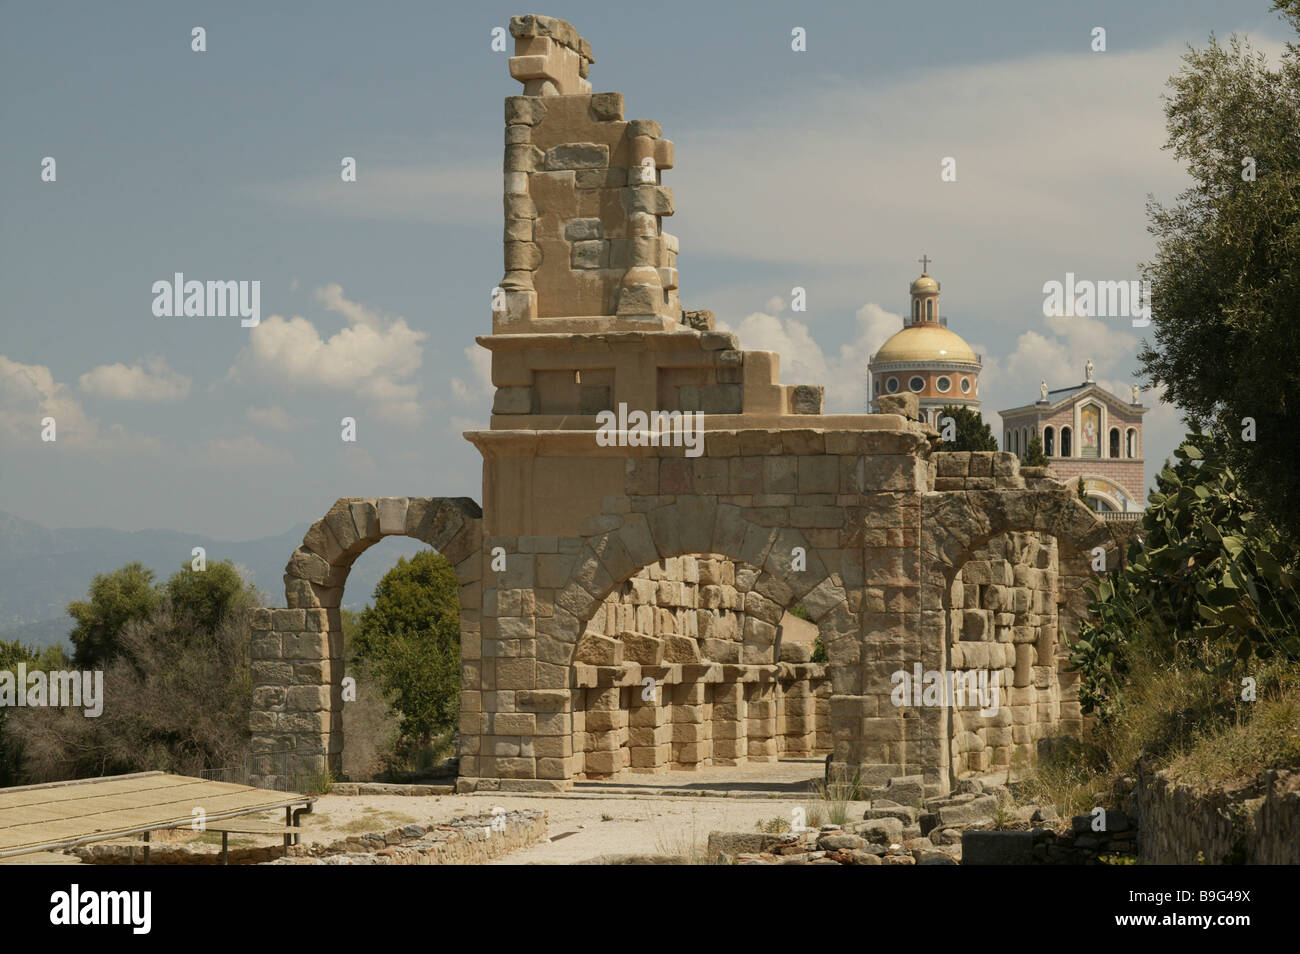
(1088, 433)
(927, 359)
(1085, 430)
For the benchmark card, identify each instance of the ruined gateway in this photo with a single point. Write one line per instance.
(622, 606)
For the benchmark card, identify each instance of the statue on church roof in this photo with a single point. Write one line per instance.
(1135, 395)
(1042, 391)
(1087, 370)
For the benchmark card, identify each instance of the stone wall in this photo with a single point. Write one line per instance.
(467, 840)
(1004, 622)
(1256, 824)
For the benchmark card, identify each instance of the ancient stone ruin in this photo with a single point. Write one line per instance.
(626, 594)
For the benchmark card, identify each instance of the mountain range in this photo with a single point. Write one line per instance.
(42, 570)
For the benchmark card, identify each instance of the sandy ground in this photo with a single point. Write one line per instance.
(597, 818)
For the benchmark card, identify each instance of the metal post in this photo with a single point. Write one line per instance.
(146, 847)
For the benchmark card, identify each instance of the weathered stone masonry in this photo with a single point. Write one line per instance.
(572, 664)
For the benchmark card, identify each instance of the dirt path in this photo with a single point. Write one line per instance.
(598, 818)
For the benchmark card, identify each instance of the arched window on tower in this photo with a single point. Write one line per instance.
(1049, 441)
(1065, 442)
(929, 309)
(1114, 442)
(1132, 442)
(916, 309)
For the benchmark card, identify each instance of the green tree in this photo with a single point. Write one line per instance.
(209, 595)
(1210, 583)
(972, 434)
(1225, 281)
(1034, 456)
(115, 599)
(410, 639)
(1081, 490)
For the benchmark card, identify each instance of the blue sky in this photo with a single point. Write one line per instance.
(816, 169)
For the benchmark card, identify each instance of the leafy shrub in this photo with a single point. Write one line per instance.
(1209, 583)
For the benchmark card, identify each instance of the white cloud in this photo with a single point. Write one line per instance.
(274, 418)
(478, 389)
(373, 357)
(151, 380)
(29, 393)
(803, 361)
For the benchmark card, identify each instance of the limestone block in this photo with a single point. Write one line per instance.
(600, 179)
(606, 107)
(589, 255)
(597, 650)
(523, 256)
(392, 515)
(681, 649)
(654, 199)
(640, 648)
(807, 399)
(576, 155)
(581, 230)
(644, 127)
(1024, 665)
(525, 110)
(513, 400)
(518, 230)
(522, 157)
(905, 405)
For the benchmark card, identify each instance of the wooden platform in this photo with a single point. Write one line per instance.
(57, 815)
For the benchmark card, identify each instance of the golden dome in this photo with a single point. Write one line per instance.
(926, 342)
(925, 284)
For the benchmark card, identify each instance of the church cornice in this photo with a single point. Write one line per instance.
(1089, 390)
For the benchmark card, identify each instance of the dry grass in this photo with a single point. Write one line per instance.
(690, 843)
(376, 821)
(1189, 722)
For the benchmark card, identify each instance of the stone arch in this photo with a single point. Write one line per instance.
(757, 704)
(318, 569)
(297, 652)
(958, 524)
(725, 689)
(610, 558)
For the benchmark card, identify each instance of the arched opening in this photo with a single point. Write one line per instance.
(298, 653)
(695, 663)
(1131, 440)
(1114, 442)
(929, 309)
(401, 651)
(1049, 441)
(1066, 449)
(1017, 556)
